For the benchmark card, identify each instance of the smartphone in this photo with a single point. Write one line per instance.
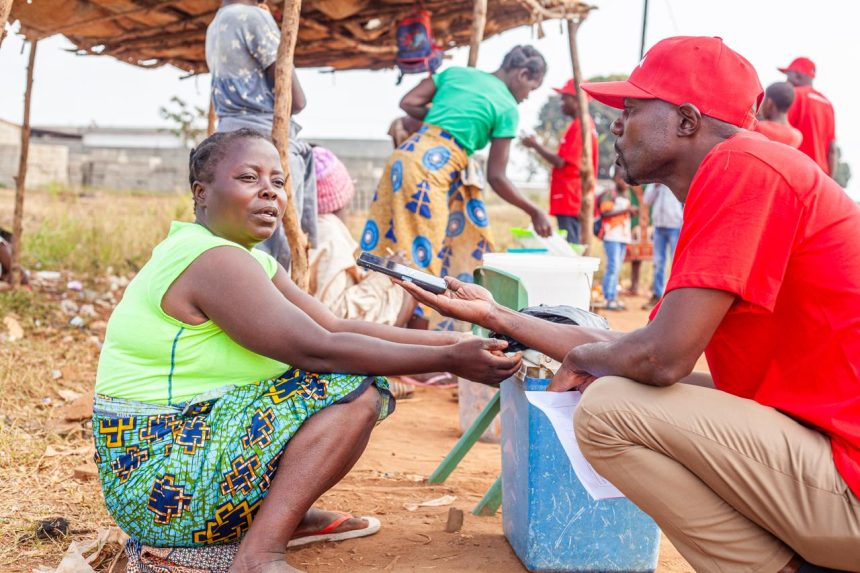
(386, 266)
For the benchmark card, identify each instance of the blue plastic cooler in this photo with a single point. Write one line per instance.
(551, 522)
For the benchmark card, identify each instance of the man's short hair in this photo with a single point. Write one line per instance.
(781, 94)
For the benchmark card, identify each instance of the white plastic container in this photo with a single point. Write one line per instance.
(549, 279)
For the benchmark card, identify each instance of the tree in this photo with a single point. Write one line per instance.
(189, 122)
(552, 124)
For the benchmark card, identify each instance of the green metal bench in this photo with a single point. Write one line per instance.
(510, 292)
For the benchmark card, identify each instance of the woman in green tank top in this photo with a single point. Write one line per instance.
(214, 361)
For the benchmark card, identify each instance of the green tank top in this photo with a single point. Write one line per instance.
(149, 356)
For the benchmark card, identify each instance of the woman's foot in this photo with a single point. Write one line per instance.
(615, 305)
(317, 520)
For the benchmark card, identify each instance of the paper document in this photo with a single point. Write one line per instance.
(560, 408)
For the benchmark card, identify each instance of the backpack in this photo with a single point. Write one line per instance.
(416, 50)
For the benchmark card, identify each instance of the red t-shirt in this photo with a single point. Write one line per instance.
(565, 190)
(762, 222)
(812, 114)
(780, 132)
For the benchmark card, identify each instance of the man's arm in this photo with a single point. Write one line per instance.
(662, 353)
(299, 101)
(833, 157)
(553, 159)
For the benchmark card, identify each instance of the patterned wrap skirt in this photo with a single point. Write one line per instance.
(195, 474)
(422, 207)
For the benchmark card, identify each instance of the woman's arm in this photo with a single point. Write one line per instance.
(229, 287)
(417, 101)
(497, 177)
(324, 317)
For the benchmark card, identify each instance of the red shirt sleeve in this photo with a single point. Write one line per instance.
(740, 223)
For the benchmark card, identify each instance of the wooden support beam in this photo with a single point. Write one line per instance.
(210, 120)
(5, 8)
(479, 22)
(21, 179)
(281, 138)
(586, 167)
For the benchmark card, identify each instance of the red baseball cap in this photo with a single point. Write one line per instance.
(803, 66)
(699, 70)
(569, 88)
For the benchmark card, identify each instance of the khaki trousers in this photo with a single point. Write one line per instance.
(736, 486)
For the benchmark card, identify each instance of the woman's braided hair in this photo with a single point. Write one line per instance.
(203, 158)
(525, 57)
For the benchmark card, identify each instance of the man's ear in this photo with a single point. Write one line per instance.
(690, 120)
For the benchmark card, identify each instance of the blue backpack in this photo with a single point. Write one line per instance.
(416, 51)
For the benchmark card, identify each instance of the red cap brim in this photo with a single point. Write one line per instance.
(613, 94)
(783, 70)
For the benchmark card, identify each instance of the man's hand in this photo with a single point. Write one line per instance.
(463, 301)
(529, 141)
(570, 377)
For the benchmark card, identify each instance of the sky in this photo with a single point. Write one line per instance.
(75, 90)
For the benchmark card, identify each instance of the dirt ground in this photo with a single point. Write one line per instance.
(41, 459)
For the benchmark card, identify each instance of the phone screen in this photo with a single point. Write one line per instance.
(387, 266)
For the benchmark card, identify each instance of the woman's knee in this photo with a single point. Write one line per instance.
(367, 405)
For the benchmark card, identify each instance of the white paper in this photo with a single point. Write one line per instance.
(560, 408)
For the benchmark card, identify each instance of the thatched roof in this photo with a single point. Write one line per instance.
(341, 34)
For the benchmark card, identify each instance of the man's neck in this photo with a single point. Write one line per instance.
(680, 178)
(779, 117)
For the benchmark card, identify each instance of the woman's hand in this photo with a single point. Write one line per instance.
(482, 360)
(541, 223)
(570, 377)
(462, 301)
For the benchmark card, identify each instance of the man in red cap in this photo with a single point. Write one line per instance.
(813, 115)
(754, 466)
(565, 191)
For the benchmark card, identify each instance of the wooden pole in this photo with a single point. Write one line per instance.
(479, 22)
(586, 168)
(5, 8)
(281, 138)
(210, 123)
(20, 180)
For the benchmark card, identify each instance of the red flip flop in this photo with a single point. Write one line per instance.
(327, 532)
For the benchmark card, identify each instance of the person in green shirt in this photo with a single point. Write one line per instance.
(429, 201)
(214, 362)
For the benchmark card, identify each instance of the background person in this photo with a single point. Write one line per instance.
(347, 290)
(616, 210)
(424, 205)
(241, 51)
(813, 115)
(565, 188)
(667, 215)
(773, 115)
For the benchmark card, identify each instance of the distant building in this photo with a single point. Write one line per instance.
(149, 159)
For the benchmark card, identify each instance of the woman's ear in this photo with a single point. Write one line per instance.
(690, 120)
(199, 194)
